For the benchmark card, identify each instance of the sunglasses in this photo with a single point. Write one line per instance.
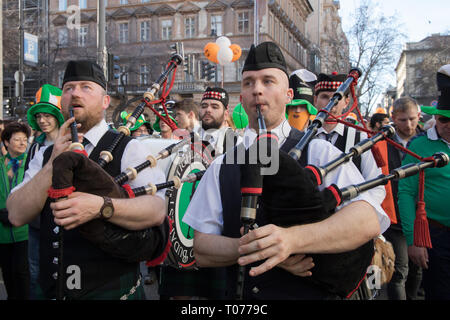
(443, 120)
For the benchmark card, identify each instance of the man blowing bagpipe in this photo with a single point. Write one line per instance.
(279, 252)
(100, 269)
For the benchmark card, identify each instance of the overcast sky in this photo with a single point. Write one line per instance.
(420, 18)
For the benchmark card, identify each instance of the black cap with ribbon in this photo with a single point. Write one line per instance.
(218, 94)
(329, 82)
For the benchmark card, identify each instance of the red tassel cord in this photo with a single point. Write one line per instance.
(421, 230)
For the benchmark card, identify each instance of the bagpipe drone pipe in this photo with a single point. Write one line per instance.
(292, 197)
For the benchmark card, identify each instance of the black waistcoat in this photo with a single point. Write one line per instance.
(95, 266)
(276, 283)
(341, 142)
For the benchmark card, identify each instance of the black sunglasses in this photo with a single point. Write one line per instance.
(443, 120)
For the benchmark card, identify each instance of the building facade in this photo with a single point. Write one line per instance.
(141, 32)
(324, 29)
(417, 67)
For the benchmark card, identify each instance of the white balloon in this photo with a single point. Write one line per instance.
(223, 42)
(224, 56)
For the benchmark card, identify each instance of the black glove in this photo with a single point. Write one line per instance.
(4, 218)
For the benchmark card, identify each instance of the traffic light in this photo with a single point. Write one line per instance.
(113, 67)
(208, 70)
(6, 106)
(189, 64)
(177, 48)
(9, 106)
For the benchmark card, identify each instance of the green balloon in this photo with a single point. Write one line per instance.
(240, 117)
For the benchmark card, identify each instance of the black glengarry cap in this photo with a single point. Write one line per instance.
(84, 70)
(265, 55)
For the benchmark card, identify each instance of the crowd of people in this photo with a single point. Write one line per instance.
(280, 260)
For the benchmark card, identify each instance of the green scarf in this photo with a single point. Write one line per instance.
(14, 162)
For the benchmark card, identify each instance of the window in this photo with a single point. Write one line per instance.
(243, 22)
(145, 31)
(82, 36)
(189, 27)
(166, 29)
(62, 5)
(216, 25)
(82, 4)
(63, 37)
(143, 74)
(123, 32)
(418, 73)
(123, 1)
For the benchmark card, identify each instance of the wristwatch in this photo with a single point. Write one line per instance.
(107, 210)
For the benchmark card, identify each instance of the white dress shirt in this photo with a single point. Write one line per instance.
(215, 137)
(134, 154)
(204, 212)
(369, 168)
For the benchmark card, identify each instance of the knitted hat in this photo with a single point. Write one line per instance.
(84, 71)
(443, 85)
(48, 100)
(218, 94)
(139, 122)
(265, 55)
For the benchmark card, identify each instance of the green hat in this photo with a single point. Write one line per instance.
(311, 109)
(48, 100)
(139, 122)
(443, 86)
(240, 117)
(156, 124)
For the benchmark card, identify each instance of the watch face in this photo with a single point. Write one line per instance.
(107, 212)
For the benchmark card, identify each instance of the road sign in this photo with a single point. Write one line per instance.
(30, 48)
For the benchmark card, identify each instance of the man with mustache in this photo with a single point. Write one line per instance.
(215, 208)
(101, 276)
(213, 116)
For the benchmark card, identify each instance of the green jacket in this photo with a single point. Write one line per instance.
(10, 234)
(437, 185)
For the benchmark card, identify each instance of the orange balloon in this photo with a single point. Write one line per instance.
(210, 50)
(237, 51)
